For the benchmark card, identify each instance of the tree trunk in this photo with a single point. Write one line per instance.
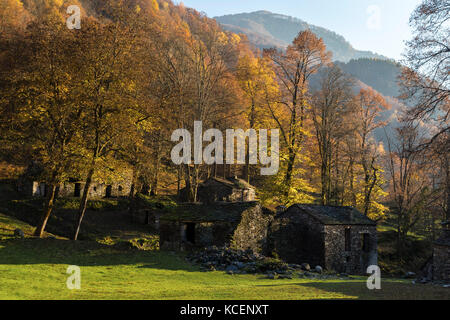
(83, 203)
(131, 196)
(289, 171)
(447, 182)
(47, 211)
(352, 187)
(179, 175)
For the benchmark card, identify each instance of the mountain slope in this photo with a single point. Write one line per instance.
(382, 75)
(266, 29)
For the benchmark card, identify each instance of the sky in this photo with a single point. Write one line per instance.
(380, 26)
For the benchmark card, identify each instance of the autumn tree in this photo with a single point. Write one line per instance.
(331, 105)
(43, 113)
(257, 81)
(293, 68)
(410, 185)
(113, 105)
(369, 107)
(195, 64)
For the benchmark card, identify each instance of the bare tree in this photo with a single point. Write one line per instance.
(426, 81)
(330, 107)
(303, 58)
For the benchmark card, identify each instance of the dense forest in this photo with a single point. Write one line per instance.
(102, 101)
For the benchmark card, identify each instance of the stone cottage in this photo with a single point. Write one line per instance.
(441, 256)
(241, 224)
(75, 189)
(228, 190)
(30, 185)
(336, 238)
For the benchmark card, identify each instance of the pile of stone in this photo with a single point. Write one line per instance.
(226, 259)
(247, 262)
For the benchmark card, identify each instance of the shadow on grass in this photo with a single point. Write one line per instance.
(87, 253)
(390, 290)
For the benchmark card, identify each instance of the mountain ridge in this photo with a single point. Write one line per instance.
(266, 29)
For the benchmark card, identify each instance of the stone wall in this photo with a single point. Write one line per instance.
(252, 231)
(173, 234)
(67, 189)
(441, 263)
(297, 238)
(212, 191)
(356, 260)
(169, 235)
(248, 232)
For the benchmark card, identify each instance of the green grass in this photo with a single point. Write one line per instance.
(36, 269)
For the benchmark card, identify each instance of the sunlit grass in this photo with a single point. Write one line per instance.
(33, 268)
(36, 269)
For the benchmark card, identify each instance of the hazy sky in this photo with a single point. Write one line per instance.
(380, 26)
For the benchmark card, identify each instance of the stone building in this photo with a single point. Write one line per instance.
(228, 190)
(441, 256)
(336, 238)
(241, 224)
(30, 185)
(75, 189)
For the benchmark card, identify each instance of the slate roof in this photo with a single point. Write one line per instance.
(444, 240)
(232, 183)
(331, 215)
(217, 212)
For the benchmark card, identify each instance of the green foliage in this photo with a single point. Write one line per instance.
(275, 190)
(148, 243)
(160, 203)
(416, 252)
(95, 205)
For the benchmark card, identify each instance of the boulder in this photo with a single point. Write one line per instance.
(306, 266)
(18, 233)
(318, 269)
(295, 266)
(231, 268)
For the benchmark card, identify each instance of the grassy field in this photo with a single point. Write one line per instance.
(36, 269)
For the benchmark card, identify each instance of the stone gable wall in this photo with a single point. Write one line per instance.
(67, 189)
(248, 233)
(441, 263)
(252, 231)
(356, 260)
(297, 237)
(213, 191)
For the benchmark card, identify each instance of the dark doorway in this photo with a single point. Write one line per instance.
(108, 191)
(77, 191)
(365, 242)
(147, 217)
(348, 243)
(190, 232)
